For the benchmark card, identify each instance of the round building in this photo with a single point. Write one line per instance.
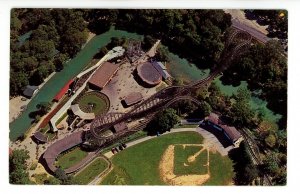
(148, 74)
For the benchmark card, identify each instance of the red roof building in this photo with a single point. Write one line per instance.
(62, 92)
(103, 75)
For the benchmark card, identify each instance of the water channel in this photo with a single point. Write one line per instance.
(178, 68)
(71, 69)
(189, 72)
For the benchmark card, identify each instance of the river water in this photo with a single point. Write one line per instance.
(71, 69)
(181, 68)
(178, 67)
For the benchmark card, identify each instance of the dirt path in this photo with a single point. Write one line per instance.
(166, 169)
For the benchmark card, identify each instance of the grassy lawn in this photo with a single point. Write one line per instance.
(221, 170)
(100, 104)
(181, 157)
(138, 165)
(66, 160)
(135, 136)
(91, 171)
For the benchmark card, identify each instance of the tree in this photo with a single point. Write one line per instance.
(43, 108)
(270, 140)
(148, 42)
(39, 75)
(241, 113)
(60, 174)
(245, 171)
(18, 80)
(52, 181)
(59, 61)
(203, 110)
(163, 122)
(271, 164)
(18, 166)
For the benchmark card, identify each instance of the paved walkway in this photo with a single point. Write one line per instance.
(212, 142)
(209, 139)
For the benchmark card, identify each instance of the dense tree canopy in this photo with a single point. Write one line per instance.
(193, 34)
(56, 35)
(163, 121)
(17, 167)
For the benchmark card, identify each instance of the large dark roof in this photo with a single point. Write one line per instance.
(29, 90)
(231, 131)
(149, 74)
(40, 136)
(103, 74)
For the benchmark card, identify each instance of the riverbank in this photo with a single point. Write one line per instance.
(71, 69)
(18, 104)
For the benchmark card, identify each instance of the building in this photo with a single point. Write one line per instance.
(60, 146)
(40, 137)
(161, 69)
(83, 115)
(230, 132)
(120, 127)
(103, 75)
(148, 74)
(133, 98)
(62, 91)
(30, 91)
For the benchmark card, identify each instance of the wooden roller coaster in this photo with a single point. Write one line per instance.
(235, 45)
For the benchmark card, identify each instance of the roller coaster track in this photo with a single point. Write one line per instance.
(254, 152)
(236, 44)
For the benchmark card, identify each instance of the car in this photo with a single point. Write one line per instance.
(121, 147)
(124, 145)
(116, 149)
(113, 150)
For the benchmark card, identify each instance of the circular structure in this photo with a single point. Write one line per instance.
(149, 74)
(94, 102)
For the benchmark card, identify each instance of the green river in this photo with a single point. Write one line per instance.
(178, 68)
(71, 69)
(189, 72)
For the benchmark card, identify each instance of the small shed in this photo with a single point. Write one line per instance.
(133, 98)
(120, 127)
(40, 137)
(30, 91)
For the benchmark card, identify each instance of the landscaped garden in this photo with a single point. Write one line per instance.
(70, 158)
(95, 102)
(91, 171)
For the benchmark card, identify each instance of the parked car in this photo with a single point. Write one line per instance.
(121, 147)
(113, 150)
(124, 145)
(116, 149)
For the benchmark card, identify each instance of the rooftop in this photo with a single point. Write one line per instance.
(149, 74)
(133, 98)
(30, 90)
(120, 127)
(103, 74)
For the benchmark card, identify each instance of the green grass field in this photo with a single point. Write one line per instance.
(181, 157)
(91, 171)
(71, 158)
(138, 165)
(99, 101)
(221, 170)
